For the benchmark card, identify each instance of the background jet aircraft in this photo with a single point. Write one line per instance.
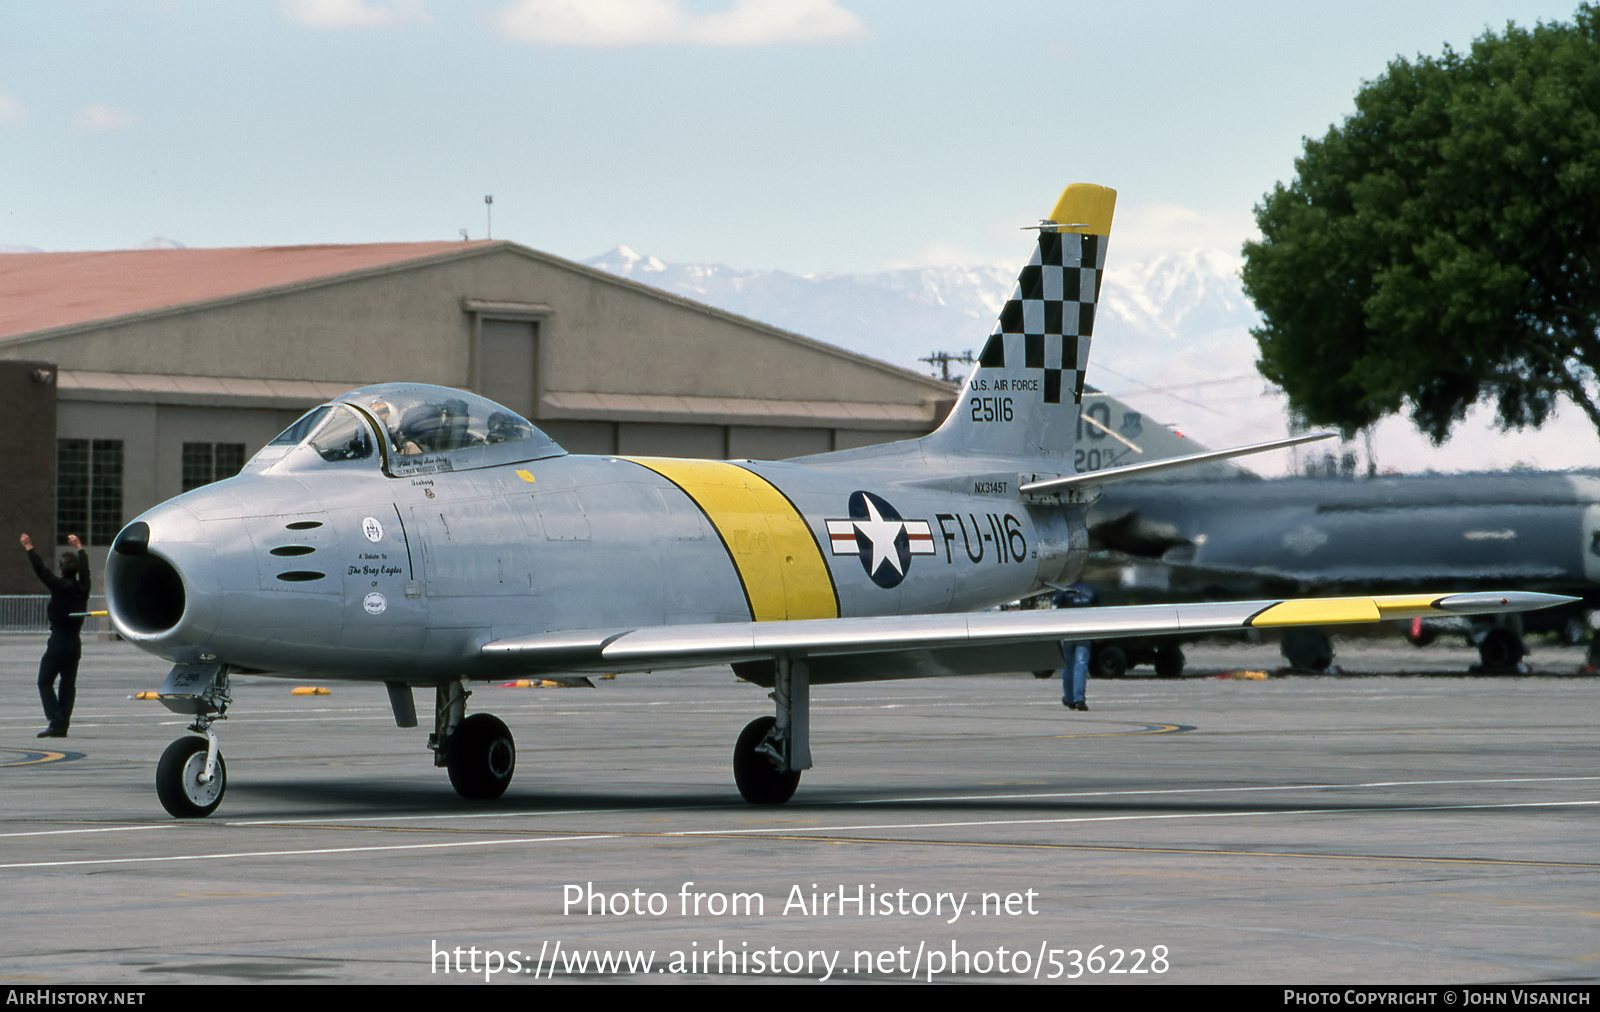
(424, 537)
(1247, 537)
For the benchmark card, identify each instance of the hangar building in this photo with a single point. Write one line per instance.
(127, 377)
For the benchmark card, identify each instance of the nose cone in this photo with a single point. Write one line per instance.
(160, 575)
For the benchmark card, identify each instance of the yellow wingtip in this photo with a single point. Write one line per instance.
(1335, 610)
(1318, 611)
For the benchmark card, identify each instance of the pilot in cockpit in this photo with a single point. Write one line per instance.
(384, 412)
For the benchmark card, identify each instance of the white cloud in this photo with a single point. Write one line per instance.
(666, 22)
(1152, 229)
(11, 110)
(103, 117)
(354, 13)
(935, 254)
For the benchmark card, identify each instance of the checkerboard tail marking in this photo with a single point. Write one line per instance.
(1023, 396)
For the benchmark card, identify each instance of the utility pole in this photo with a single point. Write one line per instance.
(488, 214)
(943, 360)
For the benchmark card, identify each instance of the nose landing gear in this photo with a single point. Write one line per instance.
(191, 776)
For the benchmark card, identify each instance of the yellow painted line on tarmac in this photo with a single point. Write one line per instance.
(1175, 816)
(1143, 729)
(1401, 859)
(1499, 901)
(36, 757)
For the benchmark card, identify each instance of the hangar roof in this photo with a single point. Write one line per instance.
(78, 310)
(44, 291)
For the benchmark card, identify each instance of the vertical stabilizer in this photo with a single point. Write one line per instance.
(1022, 398)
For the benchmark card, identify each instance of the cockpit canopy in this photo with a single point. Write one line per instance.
(412, 428)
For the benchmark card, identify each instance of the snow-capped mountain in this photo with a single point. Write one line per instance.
(1157, 306)
(1172, 339)
(1172, 323)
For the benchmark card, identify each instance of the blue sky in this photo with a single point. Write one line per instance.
(810, 135)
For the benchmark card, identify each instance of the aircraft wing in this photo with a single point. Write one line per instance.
(916, 646)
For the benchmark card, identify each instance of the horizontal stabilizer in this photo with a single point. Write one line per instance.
(1148, 469)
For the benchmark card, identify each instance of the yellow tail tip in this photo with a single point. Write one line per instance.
(1085, 208)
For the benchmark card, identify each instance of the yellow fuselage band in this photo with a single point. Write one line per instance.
(777, 558)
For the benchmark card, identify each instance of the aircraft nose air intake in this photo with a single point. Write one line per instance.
(144, 592)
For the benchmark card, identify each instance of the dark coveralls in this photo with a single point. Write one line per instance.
(68, 594)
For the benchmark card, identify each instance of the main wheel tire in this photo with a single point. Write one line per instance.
(482, 757)
(1501, 649)
(1109, 661)
(1307, 649)
(1169, 661)
(753, 773)
(178, 779)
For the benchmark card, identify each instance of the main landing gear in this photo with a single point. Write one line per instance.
(1307, 649)
(478, 751)
(772, 751)
(1500, 648)
(191, 776)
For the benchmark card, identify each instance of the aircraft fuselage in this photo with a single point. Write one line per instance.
(354, 573)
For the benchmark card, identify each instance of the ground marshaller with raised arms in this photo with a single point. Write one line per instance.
(69, 599)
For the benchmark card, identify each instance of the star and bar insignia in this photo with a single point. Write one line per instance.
(880, 537)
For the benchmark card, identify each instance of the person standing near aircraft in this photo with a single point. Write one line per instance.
(1075, 676)
(69, 598)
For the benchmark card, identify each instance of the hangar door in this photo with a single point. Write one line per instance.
(508, 363)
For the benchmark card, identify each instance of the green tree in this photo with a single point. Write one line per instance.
(1442, 245)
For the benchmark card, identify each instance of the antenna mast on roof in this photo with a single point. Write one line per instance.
(488, 213)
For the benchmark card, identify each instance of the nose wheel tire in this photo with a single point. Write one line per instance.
(178, 779)
(482, 756)
(753, 772)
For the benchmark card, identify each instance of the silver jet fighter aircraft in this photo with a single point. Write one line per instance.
(420, 536)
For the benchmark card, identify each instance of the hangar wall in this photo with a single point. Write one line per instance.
(28, 404)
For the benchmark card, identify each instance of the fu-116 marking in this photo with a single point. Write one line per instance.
(425, 537)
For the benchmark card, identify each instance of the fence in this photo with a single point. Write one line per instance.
(27, 613)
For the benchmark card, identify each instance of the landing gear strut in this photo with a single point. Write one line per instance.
(191, 776)
(772, 751)
(478, 751)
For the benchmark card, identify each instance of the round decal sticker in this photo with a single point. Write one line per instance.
(375, 604)
(372, 529)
